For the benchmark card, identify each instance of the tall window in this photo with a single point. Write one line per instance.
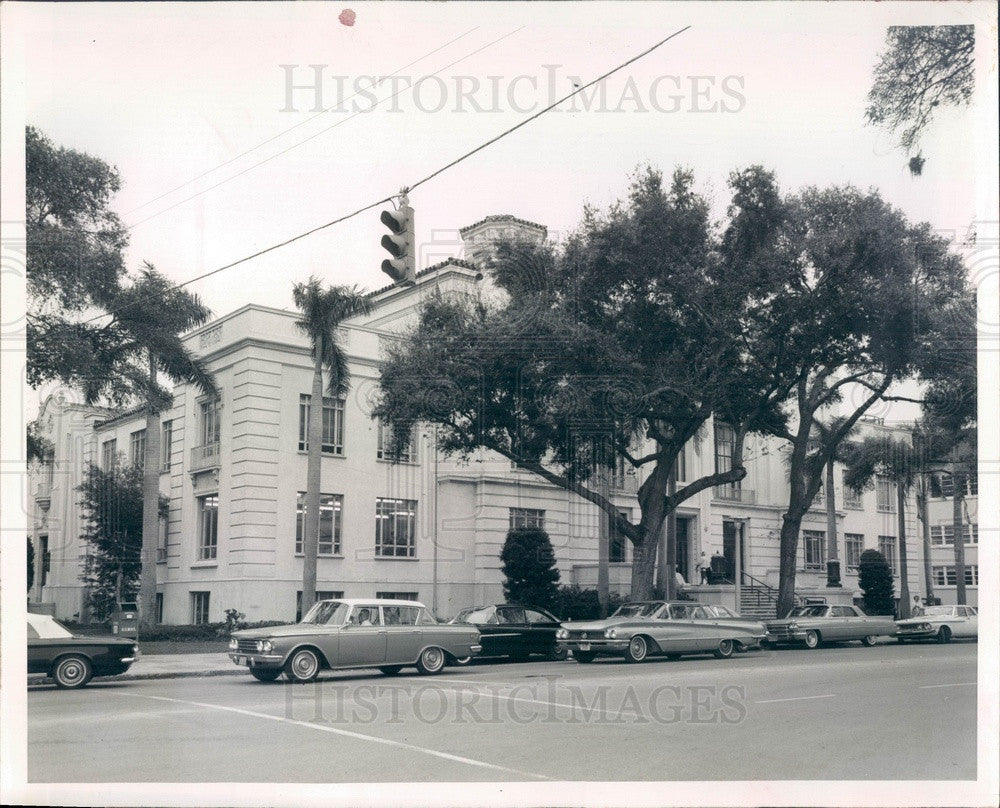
(137, 448)
(725, 446)
(166, 444)
(520, 518)
(812, 549)
(330, 508)
(945, 576)
(109, 451)
(395, 527)
(161, 541)
(208, 527)
(854, 546)
(333, 424)
(885, 494)
(159, 607)
(618, 541)
(211, 418)
(943, 486)
(944, 535)
(887, 547)
(406, 453)
(852, 496)
(681, 465)
(199, 608)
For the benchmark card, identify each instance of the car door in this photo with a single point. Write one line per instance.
(362, 642)
(512, 636)
(841, 624)
(962, 626)
(541, 628)
(404, 638)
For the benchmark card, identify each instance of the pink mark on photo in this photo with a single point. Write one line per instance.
(347, 17)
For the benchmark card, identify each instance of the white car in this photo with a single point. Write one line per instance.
(940, 623)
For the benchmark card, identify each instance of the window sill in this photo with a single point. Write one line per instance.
(213, 562)
(305, 453)
(323, 555)
(395, 558)
(389, 461)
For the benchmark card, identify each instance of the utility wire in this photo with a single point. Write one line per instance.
(286, 131)
(424, 180)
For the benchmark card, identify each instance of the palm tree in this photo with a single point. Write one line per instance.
(323, 310)
(838, 455)
(150, 317)
(901, 463)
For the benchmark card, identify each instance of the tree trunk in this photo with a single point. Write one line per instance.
(603, 543)
(958, 533)
(670, 577)
(925, 530)
(791, 522)
(314, 431)
(644, 565)
(904, 568)
(833, 557)
(150, 514)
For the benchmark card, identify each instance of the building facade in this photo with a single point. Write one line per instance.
(409, 523)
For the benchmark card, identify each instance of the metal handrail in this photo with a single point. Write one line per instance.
(759, 585)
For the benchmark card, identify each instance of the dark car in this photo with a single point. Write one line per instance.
(509, 630)
(71, 660)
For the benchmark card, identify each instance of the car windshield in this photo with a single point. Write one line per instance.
(637, 610)
(941, 611)
(326, 612)
(808, 611)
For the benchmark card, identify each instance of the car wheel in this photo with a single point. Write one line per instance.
(302, 666)
(812, 639)
(431, 660)
(944, 634)
(869, 640)
(584, 656)
(265, 674)
(391, 670)
(72, 671)
(462, 661)
(725, 649)
(637, 649)
(557, 654)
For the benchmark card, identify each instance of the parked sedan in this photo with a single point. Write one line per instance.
(642, 629)
(940, 623)
(811, 625)
(340, 634)
(509, 630)
(72, 660)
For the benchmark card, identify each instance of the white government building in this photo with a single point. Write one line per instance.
(420, 525)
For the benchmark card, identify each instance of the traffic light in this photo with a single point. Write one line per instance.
(400, 244)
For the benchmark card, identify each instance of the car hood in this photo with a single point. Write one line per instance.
(915, 621)
(290, 630)
(600, 625)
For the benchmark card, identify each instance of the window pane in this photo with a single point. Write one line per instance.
(330, 515)
(208, 527)
(395, 527)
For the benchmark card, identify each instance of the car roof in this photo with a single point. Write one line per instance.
(374, 602)
(37, 619)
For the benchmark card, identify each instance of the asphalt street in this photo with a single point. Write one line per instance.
(848, 712)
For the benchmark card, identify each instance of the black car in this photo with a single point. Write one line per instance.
(72, 660)
(514, 631)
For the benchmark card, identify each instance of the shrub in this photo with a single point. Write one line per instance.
(875, 580)
(575, 603)
(529, 568)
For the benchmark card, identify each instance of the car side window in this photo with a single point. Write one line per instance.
(32, 634)
(510, 616)
(400, 615)
(366, 616)
(537, 617)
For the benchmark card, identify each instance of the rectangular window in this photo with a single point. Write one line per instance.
(331, 507)
(211, 419)
(397, 595)
(137, 448)
(208, 527)
(159, 607)
(681, 465)
(945, 576)
(943, 486)
(812, 549)
(944, 535)
(885, 495)
(166, 444)
(387, 450)
(725, 446)
(395, 528)
(161, 541)
(887, 547)
(854, 546)
(333, 424)
(328, 594)
(199, 608)
(109, 451)
(617, 541)
(852, 496)
(521, 518)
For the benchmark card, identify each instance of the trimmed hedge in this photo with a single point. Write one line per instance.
(205, 631)
(573, 602)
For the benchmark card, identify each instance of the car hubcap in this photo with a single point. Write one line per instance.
(638, 648)
(304, 665)
(72, 671)
(432, 659)
(726, 647)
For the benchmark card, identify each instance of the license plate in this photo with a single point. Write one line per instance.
(585, 646)
(241, 660)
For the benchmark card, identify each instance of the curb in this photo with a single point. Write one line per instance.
(38, 679)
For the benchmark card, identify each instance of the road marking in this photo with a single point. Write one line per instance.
(797, 698)
(956, 684)
(348, 734)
